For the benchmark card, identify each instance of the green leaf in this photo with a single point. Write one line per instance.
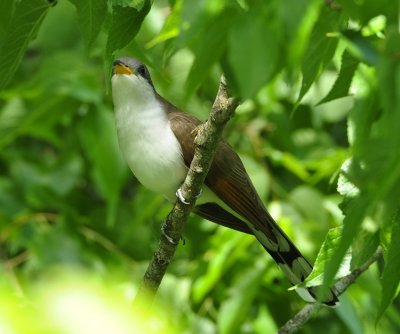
(91, 14)
(361, 47)
(264, 322)
(390, 276)
(358, 202)
(225, 256)
(203, 27)
(125, 24)
(343, 82)
(234, 309)
(360, 121)
(6, 13)
(357, 209)
(60, 177)
(344, 186)
(171, 26)
(258, 35)
(258, 174)
(320, 49)
(326, 252)
(364, 247)
(349, 316)
(291, 163)
(11, 203)
(309, 201)
(209, 50)
(99, 139)
(23, 24)
(298, 27)
(33, 122)
(365, 10)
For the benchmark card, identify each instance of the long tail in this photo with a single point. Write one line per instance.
(294, 265)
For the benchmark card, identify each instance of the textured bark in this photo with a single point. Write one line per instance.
(207, 137)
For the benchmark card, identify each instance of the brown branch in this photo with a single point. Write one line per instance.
(206, 141)
(298, 321)
(17, 260)
(332, 4)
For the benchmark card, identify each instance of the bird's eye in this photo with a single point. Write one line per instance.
(142, 70)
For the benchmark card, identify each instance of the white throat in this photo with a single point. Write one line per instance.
(145, 137)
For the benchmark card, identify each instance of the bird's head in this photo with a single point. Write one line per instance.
(131, 80)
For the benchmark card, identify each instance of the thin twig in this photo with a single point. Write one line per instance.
(298, 321)
(17, 260)
(107, 244)
(333, 5)
(206, 141)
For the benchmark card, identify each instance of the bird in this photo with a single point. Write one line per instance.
(156, 140)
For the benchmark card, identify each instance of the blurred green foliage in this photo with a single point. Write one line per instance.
(319, 83)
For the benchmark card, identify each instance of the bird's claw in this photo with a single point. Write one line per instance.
(169, 239)
(183, 199)
(199, 194)
(164, 233)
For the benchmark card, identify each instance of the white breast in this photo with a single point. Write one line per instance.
(146, 140)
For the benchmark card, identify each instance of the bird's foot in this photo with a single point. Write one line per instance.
(164, 228)
(183, 199)
(164, 233)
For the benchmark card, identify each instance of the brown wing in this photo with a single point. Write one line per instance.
(229, 180)
(182, 124)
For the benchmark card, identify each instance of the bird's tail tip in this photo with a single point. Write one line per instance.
(310, 294)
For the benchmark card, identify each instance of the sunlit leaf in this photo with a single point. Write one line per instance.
(356, 211)
(171, 26)
(327, 251)
(343, 82)
(360, 47)
(366, 10)
(292, 164)
(298, 27)
(265, 322)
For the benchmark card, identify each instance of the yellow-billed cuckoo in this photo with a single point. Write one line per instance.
(156, 141)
